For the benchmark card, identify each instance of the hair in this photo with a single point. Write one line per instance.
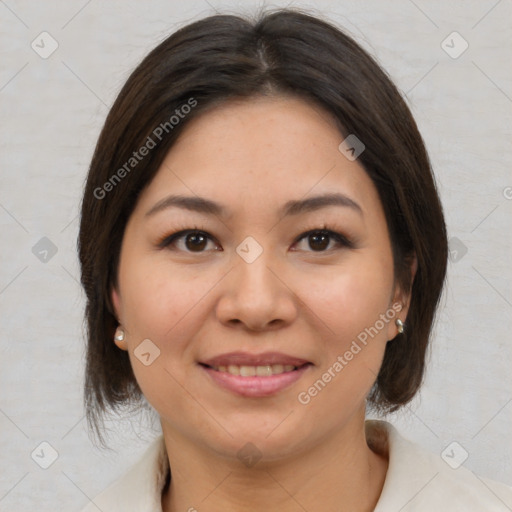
(225, 57)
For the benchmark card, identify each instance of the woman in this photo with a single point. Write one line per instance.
(263, 250)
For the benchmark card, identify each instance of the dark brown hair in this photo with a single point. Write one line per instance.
(223, 57)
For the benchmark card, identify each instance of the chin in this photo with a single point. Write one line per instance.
(268, 439)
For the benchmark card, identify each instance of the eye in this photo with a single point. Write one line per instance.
(192, 240)
(319, 239)
(196, 240)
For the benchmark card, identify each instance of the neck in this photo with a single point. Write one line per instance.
(341, 474)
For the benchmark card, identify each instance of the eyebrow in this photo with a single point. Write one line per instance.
(293, 207)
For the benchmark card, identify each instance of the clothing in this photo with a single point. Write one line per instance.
(416, 480)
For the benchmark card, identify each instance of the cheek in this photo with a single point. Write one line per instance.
(162, 303)
(351, 297)
(350, 304)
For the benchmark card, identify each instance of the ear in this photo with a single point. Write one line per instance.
(116, 302)
(402, 299)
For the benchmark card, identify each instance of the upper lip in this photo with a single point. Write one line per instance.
(247, 359)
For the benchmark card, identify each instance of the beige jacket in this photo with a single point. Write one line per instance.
(416, 481)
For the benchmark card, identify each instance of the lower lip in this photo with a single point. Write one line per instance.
(256, 386)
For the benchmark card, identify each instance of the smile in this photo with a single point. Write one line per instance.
(259, 371)
(255, 381)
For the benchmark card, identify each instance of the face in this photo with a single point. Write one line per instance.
(262, 317)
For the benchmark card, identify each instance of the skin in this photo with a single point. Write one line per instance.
(253, 156)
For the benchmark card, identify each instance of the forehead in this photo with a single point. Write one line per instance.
(258, 154)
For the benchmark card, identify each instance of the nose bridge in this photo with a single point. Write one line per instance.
(254, 279)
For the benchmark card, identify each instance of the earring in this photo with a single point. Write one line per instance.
(399, 325)
(119, 336)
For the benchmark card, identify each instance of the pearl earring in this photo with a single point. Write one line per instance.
(119, 336)
(399, 325)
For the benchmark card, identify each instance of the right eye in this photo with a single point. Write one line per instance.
(188, 240)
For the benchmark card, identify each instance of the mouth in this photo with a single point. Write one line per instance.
(255, 375)
(256, 371)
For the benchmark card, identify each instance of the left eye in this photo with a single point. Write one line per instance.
(319, 240)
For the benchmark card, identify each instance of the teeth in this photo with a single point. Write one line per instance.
(263, 371)
(234, 370)
(260, 371)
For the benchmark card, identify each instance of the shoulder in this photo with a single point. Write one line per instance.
(418, 480)
(140, 489)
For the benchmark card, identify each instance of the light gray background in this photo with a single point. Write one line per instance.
(51, 114)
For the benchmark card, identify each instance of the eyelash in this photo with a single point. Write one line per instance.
(340, 239)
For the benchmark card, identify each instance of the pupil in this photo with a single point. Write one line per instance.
(324, 241)
(195, 241)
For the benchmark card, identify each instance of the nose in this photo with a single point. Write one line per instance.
(256, 296)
